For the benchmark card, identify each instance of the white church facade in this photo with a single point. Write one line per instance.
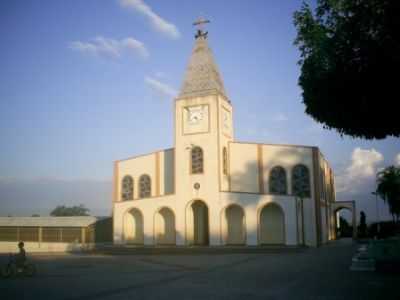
(210, 189)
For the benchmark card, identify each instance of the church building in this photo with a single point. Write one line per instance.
(212, 190)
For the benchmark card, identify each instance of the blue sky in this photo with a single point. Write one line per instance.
(80, 79)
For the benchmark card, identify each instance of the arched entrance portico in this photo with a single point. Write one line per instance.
(271, 225)
(197, 223)
(133, 227)
(235, 225)
(164, 227)
(335, 209)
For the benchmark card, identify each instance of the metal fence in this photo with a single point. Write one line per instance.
(45, 234)
(28, 234)
(8, 234)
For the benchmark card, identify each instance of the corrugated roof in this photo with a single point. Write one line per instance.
(48, 221)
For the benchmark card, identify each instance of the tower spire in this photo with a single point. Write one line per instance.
(202, 76)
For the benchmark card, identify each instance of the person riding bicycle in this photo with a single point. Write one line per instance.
(20, 257)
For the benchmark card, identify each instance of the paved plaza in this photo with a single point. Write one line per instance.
(312, 274)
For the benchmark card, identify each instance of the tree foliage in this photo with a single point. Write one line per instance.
(350, 59)
(64, 211)
(388, 188)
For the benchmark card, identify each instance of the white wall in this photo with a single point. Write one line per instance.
(243, 166)
(12, 247)
(251, 204)
(167, 173)
(136, 167)
(158, 165)
(286, 157)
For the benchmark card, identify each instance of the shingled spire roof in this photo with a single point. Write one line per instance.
(202, 76)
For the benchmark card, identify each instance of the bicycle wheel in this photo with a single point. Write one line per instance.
(30, 270)
(8, 271)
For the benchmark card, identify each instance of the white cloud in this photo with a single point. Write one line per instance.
(135, 45)
(280, 117)
(112, 48)
(160, 74)
(160, 87)
(361, 172)
(397, 160)
(156, 21)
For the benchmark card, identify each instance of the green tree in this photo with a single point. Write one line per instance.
(64, 211)
(350, 55)
(388, 188)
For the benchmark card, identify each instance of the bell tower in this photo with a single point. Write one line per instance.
(203, 120)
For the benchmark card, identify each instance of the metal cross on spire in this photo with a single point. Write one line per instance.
(200, 25)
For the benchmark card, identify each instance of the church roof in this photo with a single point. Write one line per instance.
(202, 76)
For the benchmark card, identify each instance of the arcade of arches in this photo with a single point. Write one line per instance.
(271, 227)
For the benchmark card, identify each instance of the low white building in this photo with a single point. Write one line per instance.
(213, 190)
(54, 234)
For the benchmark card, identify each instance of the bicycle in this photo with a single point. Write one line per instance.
(11, 269)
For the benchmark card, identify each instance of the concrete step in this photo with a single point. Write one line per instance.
(362, 262)
(194, 250)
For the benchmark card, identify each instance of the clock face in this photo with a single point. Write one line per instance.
(195, 114)
(195, 119)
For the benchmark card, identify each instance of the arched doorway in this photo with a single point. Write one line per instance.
(343, 220)
(343, 223)
(133, 227)
(164, 227)
(271, 225)
(235, 225)
(200, 223)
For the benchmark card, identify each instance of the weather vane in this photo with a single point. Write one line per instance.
(200, 27)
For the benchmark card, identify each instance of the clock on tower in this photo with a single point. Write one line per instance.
(195, 119)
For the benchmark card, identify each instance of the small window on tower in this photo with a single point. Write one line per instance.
(225, 160)
(197, 160)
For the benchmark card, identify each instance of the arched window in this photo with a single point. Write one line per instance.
(144, 186)
(127, 188)
(277, 181)
(301, 181)
(197, 160)
(225, 160)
